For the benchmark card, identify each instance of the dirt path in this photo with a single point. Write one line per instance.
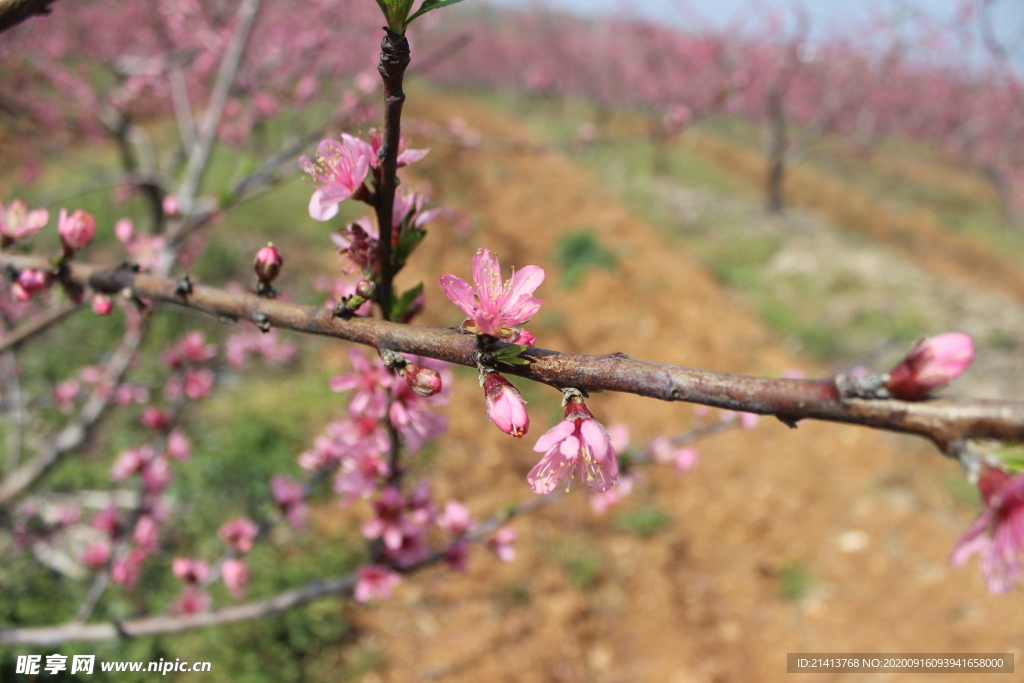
(855, 525)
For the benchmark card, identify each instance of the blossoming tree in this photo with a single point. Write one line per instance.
(395, 385)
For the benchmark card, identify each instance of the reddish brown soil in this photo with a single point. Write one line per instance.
(700, 600)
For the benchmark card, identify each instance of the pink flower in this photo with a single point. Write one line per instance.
(455, 519)
(388, 525)
(192, 348)
(525, 338)
(102, 304)
(198, 383)
(289, 497)
(235, 574)
(495, 308)
(998, 534)
(96, 555)
(130, 461)
(171, 205)
(501, 543)
(106, 521)
(77, 230)
(424, 382)
(192, 601)
(456, 556)
(505, 406)
(405, 156)
(931, 364)
(127, 568)
(375, 583)
(577, 446)
(178, 447)
(370, 381)
(268, 264)
(156, 475)
(65, 393)
(154, 418)
(340, 169)
(30, 282)
(239, 533)
(147, 534)
(190, 571)
(18, 222)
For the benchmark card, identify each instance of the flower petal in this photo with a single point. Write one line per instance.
(487, 276)
(321, 212)
(553, 436)
(460, 293)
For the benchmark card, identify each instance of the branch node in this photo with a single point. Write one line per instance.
(864, 386)
(183, 286)
(262, 321)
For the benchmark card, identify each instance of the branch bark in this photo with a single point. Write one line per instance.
(947, 423)
(13, 12)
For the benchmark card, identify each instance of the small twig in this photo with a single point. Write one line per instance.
(76, 432)
(200, 153)
(29, 329)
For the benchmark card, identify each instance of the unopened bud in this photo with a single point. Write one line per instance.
(30, 282)
(931, 364)
(102, 304)
(423, 381)
(77, 230)
(366, 289)
(505, 406)
(268, 264)
(154, 418)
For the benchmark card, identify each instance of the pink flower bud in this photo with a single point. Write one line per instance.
(154, 418)
(190, 571)
(366, 289)
(30, 282)
(239, 533)
(124, 229)
(177, 447)
(423, 381)
(171, 205)
(95, 555)
(235, 574)
(268, 264)
(504, 405)
(931, 364)
(375, 582)
(102, 304)
(76, 231)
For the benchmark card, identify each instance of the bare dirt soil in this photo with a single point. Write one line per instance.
(854, 526)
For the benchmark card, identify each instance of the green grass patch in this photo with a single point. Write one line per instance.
(644, 521)
(795, 580)
(578, 252)
(580, 561)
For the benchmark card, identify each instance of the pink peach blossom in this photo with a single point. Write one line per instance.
(339, 169)
(375, 583)
(504, 406)
(577, 446)
(495, 308)
(17, 222)
(931, 364)
(997, 536)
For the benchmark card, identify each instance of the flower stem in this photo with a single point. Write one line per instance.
(394, 58)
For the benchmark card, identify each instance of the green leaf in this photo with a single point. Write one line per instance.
(429, 5)
(407, 244)
(401, 304)
(511, 355)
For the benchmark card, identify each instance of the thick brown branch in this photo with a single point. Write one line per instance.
(945, 422)
(13, 12)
